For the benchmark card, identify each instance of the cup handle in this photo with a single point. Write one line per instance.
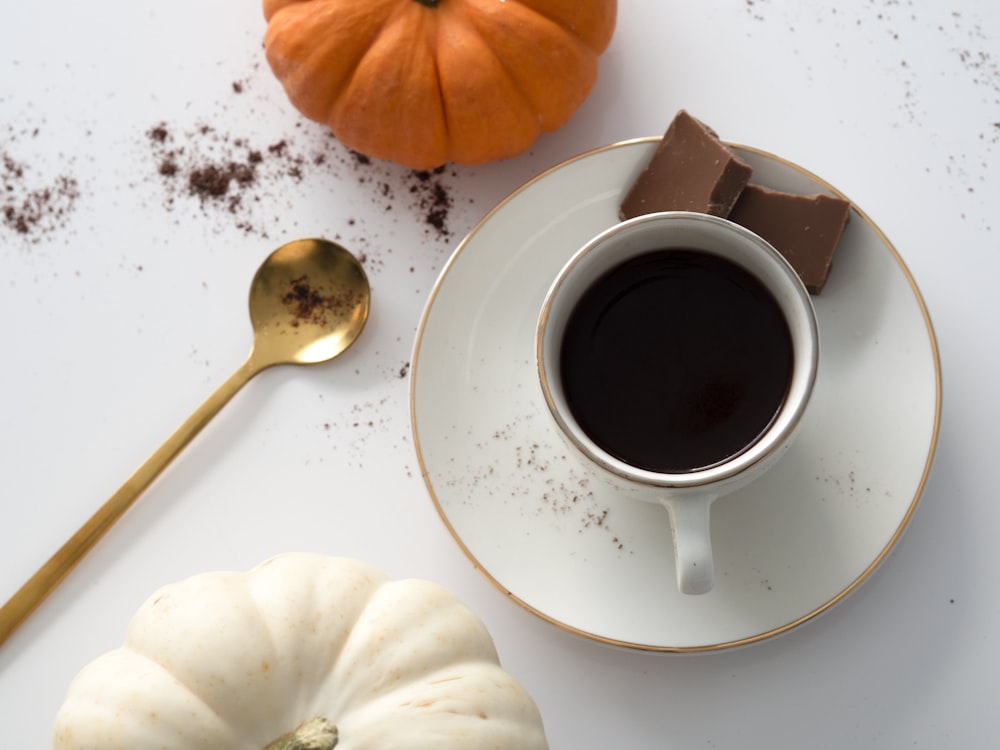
(689, 524)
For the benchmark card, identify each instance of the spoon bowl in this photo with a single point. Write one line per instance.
(309, 301)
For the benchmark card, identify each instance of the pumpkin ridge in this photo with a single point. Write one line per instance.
(434, 20)
(104, 686)
(598, 41)
(505, 125)
(474, 20)
(552, 111)
(297, 63)
(381, 94)
(344, 86)
(439, 85)
(238, 608)
(202, 700)
(408, 605)
(313, 601)
(332, 668)
(455, 691)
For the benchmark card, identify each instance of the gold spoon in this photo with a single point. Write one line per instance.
(308, 302)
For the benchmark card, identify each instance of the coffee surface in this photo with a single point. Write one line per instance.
(676, 360)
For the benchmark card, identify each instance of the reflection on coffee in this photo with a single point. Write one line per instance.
(676, 360)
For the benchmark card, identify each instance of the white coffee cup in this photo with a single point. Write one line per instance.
(687, 495)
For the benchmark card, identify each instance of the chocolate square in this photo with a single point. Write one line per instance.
(691, 170)
(803, 228)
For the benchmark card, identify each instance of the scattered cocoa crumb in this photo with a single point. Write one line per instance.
(310, 305)
(433, 199)
(365, 419)
(551, 485)
(213, 180)
(361, 158)
(222, 172)
(30, 209)
(226, 173)
(228, 177)
(428, 193)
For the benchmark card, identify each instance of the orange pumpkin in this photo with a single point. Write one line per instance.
(424, 82)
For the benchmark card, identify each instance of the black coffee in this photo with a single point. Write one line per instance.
(676, 360)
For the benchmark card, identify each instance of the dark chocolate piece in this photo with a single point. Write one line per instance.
(691, 170)
(803, 228)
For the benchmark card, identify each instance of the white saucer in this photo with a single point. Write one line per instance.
(787, 548)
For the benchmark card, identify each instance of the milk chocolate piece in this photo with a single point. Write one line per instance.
(691, 170)
(803, 228)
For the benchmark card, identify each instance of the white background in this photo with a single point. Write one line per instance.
(123, 315)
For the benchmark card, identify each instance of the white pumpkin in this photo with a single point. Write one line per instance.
(304, 652)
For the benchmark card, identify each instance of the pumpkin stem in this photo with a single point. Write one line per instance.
(430, 3)
(315, 734)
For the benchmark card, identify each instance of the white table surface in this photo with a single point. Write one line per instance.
(127, 309)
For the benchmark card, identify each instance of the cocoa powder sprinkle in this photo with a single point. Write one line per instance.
(220, 171)
(310, 305)
(33, 210)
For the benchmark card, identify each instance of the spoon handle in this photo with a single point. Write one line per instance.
(47, 577)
